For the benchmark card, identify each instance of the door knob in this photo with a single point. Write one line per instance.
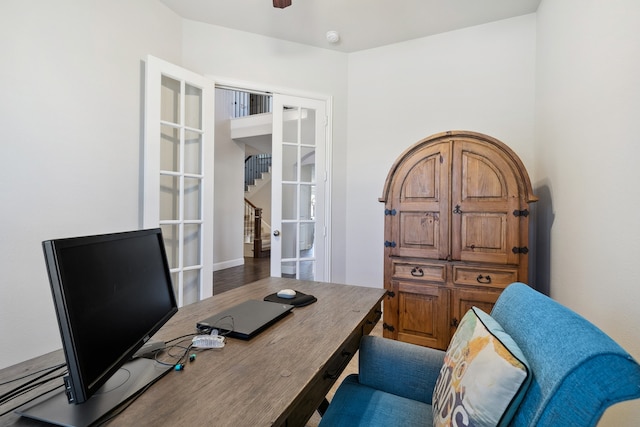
(276, 233)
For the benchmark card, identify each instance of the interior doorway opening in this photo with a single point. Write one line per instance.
(291, 226)
(255, 145)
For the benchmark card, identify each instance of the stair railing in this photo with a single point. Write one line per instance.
(253, 228)
(254, 167)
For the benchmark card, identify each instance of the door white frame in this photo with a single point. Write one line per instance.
(328, 100)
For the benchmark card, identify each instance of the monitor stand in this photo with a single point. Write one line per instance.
(132, 378)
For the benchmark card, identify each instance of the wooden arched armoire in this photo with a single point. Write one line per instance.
(456, 233)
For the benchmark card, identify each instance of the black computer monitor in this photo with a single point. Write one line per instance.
(111, 293)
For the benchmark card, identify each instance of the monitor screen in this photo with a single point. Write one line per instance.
(111, 293)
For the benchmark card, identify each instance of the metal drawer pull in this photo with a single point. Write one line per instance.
(417, 272)
(336, 373)
(378, 315)
(483, 279)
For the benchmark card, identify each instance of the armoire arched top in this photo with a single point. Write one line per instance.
(509, 154)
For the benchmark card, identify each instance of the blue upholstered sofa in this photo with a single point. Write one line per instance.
(576, 371)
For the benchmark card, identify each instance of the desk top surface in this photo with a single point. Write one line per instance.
(251, 382)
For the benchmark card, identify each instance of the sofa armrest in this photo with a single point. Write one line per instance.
(399, 368)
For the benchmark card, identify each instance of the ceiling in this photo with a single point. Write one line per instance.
(362, 24)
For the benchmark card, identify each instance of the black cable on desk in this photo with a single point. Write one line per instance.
(31, 384)
(50, 368)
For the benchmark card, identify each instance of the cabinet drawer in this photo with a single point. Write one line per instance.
(421, 271)
(490, 277)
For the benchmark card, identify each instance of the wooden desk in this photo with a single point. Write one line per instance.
(280, 377)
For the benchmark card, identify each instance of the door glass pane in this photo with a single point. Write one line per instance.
(308, 127)
(289, 162)
(193, 152)
(169, 197)
(169, 148)
(176, 283)
(290, 125)
(191, 286)
(191, 245)
(308, 164)
(192, 198)
(289, 201)
(307, 202)
(307, 270)
(170, 100)
(192, 107)
(170, 237)
(307, 239)
(288, 269)
(289, 236)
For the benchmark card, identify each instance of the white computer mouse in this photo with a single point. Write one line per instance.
(286, 293)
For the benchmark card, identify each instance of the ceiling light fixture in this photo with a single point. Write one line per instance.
(333, 37)
(281, 3)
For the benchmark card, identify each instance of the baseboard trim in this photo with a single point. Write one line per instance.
(228, 264)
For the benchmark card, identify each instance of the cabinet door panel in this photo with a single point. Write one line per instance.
(423, 315)
(419, 231)
(484, 195)
(420, 196)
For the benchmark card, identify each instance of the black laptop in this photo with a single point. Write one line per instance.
(246, 319)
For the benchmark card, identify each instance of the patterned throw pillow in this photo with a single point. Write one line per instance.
(484, 376)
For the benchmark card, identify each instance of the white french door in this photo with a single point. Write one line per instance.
(178, 173)
(299, 210)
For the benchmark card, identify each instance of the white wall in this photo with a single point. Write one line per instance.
(70, 114)
(228, 190)
(479, 79)
(588, 110)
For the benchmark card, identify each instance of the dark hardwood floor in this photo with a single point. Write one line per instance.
(230, 278)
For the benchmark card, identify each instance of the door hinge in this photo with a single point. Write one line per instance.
(391, 294)
(521, 250)
(390, 212)
(524, 213)
(389, 328)
(388, 244)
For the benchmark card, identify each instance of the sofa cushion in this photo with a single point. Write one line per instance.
(484, 375)
(356, 405)
(397, 367)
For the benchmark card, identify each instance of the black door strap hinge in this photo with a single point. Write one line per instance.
(522, 250)
(388, 244)
(389, 328)
(524, 213)
(390, 212)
